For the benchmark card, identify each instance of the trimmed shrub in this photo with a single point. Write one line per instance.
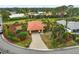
(21, 34)
(12, 37)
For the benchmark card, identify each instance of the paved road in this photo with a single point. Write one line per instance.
(37, 42)
(17, 50)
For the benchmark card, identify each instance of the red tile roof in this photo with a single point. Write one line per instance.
(35, 25)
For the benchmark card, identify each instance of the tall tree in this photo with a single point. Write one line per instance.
(69, 10)
(5, 14)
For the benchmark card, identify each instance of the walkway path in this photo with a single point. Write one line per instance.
(37, 42)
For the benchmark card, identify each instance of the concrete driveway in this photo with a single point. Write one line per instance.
(37, 42)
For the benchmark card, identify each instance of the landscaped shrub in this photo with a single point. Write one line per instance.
(5, 30)
(21, 34)
(20, 37)
(54, 43)
(18, 31)
(19, 18)
(60, 37)
(77, 38)
(16, 23)
(28, 42)
(12, 37)
(24, 27)
(73, 19)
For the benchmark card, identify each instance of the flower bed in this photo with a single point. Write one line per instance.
(17, 34)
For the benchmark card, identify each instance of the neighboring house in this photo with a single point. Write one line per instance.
(35, 26)
(63, 22)
(12, 12)
(17, 15)
(40, 13)
(61, 13)
(36, 14)
(72, 26)
(48, 13)
(33, 14)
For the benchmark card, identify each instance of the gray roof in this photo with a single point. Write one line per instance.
(63, 22)
(71, 24)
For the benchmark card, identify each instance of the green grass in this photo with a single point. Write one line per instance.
(24, 20)
(28, 19)
(46, 37)
(77, 17)
(11, 22)
(24, 43)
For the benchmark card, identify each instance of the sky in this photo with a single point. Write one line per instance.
(37, 3)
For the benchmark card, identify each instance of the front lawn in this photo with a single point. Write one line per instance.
(46, 37)
(57, 37)
(24, 43)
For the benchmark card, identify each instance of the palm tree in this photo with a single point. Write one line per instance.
(57, 35)
(69, 10)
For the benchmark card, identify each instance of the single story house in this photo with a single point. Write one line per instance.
(17, 15)
(36, 26)
(72, 26)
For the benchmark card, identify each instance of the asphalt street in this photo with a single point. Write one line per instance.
(8, 48)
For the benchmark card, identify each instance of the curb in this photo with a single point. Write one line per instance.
(45, 50)
(9, 41)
